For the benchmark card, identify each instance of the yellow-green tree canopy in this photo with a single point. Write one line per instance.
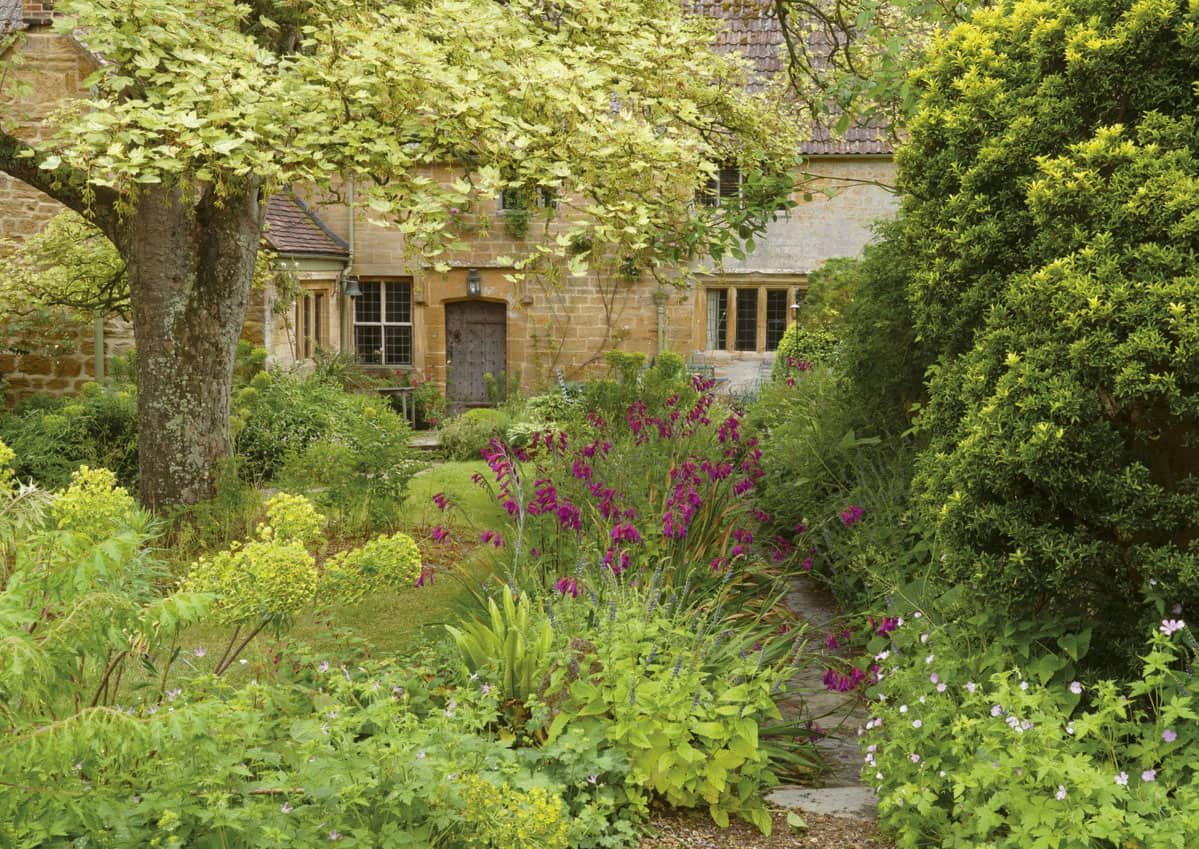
(200, 109)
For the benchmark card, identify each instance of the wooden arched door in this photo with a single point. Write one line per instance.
(476, 336)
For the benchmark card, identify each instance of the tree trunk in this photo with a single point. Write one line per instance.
(190, 264)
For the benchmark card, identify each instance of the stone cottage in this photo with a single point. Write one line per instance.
(348, 285)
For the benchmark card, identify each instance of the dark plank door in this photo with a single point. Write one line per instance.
(475, 344)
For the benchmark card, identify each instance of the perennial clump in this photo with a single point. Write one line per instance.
(269, 579)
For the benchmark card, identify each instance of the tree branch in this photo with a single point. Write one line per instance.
(65, 184)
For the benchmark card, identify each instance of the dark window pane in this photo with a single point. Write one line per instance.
(730, 181)
(776, 317)
(318, 317)
(398, 348)
(367, 307)
(368, 342)
(747, 320)
(399, 303)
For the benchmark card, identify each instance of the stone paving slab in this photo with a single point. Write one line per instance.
(853, 802)
(840, 714)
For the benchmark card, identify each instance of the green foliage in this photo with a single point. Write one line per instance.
(878, 352)
(376, 753)
(626, 364)
(1050, 197)
(232, 513)
(811, 453)
(348, 452)
(384, 563)
(80, 603)
(802, 345)
(515, 641)
(68, 263)
(463, 437)
(677, 689)
(427, 398)
(53, 437)
(500, 816)
(338, 368)
(248, 362)
(670, 365)
(994, 742)
(268, 580)
(850, 61)
(653, 386)
(666, 635)
(502, 389)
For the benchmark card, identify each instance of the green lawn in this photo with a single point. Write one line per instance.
(474, 506)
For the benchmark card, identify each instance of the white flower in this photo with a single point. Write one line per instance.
(1075, 687)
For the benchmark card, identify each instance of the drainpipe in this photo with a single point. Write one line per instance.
(660, 298)
(346, 317)
(98, 345)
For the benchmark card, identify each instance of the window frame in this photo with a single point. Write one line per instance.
(309, 324)
(384, 322)
(733, 332)
(724, 185)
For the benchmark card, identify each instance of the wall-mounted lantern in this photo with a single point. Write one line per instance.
(795, 311)
(474, 283)
(353, 290)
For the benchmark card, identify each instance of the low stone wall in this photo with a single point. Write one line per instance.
(64, 369)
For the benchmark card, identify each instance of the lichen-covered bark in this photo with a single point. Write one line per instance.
(191, 262)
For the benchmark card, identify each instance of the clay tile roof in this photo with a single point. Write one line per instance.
(293, 228)
(10, 16)
(754, 32)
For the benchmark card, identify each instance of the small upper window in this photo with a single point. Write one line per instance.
(725, 185)
(519, 197)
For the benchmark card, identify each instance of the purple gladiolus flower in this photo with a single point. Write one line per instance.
(567, 585)
(491, 537)
(441, 501)
(852, 516)
(439, 534)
